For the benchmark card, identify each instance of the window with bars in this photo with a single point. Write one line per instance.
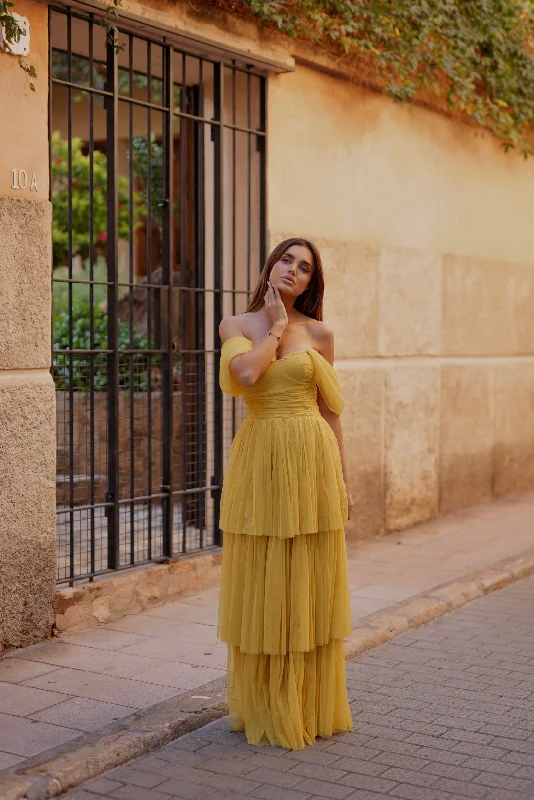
(158, 196)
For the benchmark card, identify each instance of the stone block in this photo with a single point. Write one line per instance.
(75, 618)
(467, 435)
(153, 591)
(101, 609)
(351, 296)
(521, 566)
(411, 445)
(362, 639)
(25, 277)
(14, 788)
(458, 593)
(363, 390)
(487, 307)
(514, 428)
(491, 579)
(27, 508)
(393, 623)
(410, 302)
(422, 610)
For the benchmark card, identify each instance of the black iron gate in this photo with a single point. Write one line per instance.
(158, 193)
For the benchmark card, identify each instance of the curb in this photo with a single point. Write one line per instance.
(151, 729)
(420, 610)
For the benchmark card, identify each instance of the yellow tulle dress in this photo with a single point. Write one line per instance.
(284, 602)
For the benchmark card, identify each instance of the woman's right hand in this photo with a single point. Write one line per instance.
(275, 308)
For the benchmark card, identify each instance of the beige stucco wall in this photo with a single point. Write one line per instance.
(27, 414)
(425, 227)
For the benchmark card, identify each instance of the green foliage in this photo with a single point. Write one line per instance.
(12, 32)
(149, 161)
(81, 198)
(81, 292)
(478, 52)
(81, 340)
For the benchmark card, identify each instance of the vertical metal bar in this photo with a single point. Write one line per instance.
(184, 298)
(218, 287)
(131, 280)
(262, 147)
(51, 15)
(70, 242)
(112, 108)
(234, 220)
(149, 295)
(166, 280)
(200, 314)
(249, 176)
(91, 308)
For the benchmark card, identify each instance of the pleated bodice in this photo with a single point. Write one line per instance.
(284, 462)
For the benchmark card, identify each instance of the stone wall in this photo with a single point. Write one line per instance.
(438, 379)
(425, 227)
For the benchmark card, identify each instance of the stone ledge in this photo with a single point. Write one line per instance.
(92, 604)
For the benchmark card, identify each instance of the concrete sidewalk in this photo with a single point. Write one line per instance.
(56, 693)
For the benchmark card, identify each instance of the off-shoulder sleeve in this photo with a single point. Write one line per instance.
(328, 382)
(234, 346)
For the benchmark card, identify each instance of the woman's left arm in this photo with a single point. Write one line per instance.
(327, 351)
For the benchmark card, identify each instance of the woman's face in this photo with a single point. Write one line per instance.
(293, 271)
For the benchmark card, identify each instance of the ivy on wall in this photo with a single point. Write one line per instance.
(478, 52)
(12, 31)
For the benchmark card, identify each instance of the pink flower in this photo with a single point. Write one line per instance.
(102, 236)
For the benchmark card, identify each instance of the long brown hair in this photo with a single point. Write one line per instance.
(309, 302)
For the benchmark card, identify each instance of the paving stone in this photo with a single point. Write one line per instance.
(450, 771)
(186, 790)
(317, 771)
(410, 792)
(135, 777)
(456, 787)
(374, 784)
(325, 757)
(331, 790)
(505, 794)
(400, 775)
(103, 785)
(136, 793)
(272, 777)
(512, 782)
(500, 767)
(277, 793)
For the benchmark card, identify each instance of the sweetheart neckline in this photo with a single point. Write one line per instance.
(301, 350)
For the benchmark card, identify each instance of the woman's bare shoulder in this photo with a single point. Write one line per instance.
(234, 326)
(323, 337)
(320, 331)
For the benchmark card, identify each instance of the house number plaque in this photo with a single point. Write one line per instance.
(21, 180)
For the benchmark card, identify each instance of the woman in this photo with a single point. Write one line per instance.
(284, 606)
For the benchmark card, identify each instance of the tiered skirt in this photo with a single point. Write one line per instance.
(284, 603)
